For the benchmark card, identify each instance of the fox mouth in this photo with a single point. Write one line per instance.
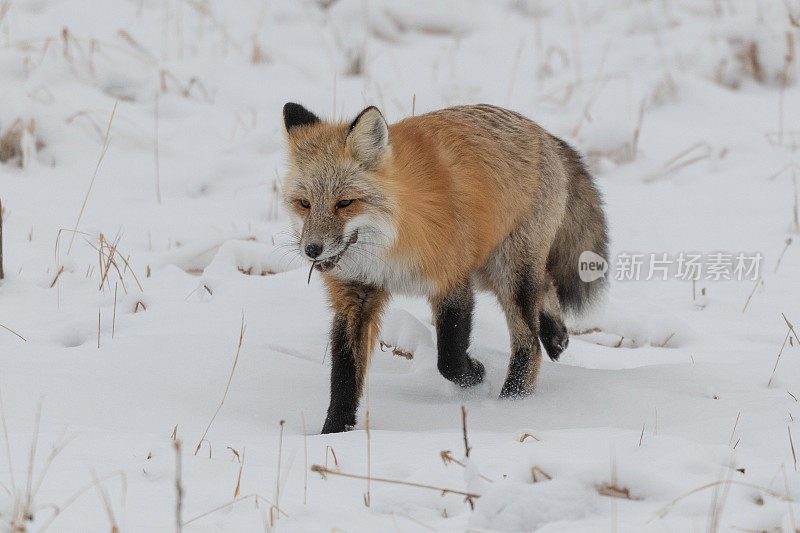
(328, 264)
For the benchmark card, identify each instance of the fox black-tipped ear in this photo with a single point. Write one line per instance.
(295, 115)
(368, 137)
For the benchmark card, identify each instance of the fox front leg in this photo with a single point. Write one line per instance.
(353, 334)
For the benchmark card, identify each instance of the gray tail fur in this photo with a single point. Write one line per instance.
(583, 228)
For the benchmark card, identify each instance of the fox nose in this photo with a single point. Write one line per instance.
(313, 250)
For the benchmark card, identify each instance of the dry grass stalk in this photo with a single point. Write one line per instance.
(791, 507)
(791, 328)
(396, 351)
(758, 282)
(20, 143)
(103, 495)
(464, 430)
(4, 7)
(176, 444)
(335, 460)
(775, 368)
(447, 458)
(14, 332)
(791, 443)
(239, 477)
(255, 497)
(139, 304)
(534, 470)
(258, 56)
(794, 18)
(98, 328)
(204, 9)
(103, 150)
(133, 43)
(368, 494)
(227, 386)
(695, 153)
(278, 472)
(528, 435)
(718, 502)
(58, 275)
(249, 272)
(787, 244)
(58, 509)
(730, 441)
(669, 338)
(613, 491)
(8, 444)
(414, 104)
(324, 471)
(662, 512)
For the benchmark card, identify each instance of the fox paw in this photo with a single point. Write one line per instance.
(553, 334)
(468, 376)
(338, 424)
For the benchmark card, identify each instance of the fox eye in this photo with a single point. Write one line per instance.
(305, 204)
(343, 203)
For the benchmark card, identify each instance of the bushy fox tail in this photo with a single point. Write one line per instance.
(583, 229)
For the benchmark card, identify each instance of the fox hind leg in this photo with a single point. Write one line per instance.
(521, 307)
(552, 331)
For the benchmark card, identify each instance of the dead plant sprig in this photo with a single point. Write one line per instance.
(786, 245)
(758, 282)
(59, 509)
(14, 332)
(447, 458)
(278, 471)
(534, 470)
(103, 495)
(791, 328)
(239, 477)
(733, 433)
(323, 471)
(464, 429)
(662, 511)
(103, 150)
(176, 444)
(775, 368)
(7, 443)
(227, 386)
(691, 155)
(255, 497)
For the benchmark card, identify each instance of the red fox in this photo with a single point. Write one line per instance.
(438, 205)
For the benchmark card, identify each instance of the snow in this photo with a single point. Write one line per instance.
(664, 389)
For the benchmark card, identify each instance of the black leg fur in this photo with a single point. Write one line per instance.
(553, 334)
(526, 353)
(345, 389)
(453, 328)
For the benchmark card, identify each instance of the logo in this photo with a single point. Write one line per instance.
(591, 266)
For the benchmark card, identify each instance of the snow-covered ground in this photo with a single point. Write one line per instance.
(660, 416)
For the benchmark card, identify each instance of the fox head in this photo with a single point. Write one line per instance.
(332, 190)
